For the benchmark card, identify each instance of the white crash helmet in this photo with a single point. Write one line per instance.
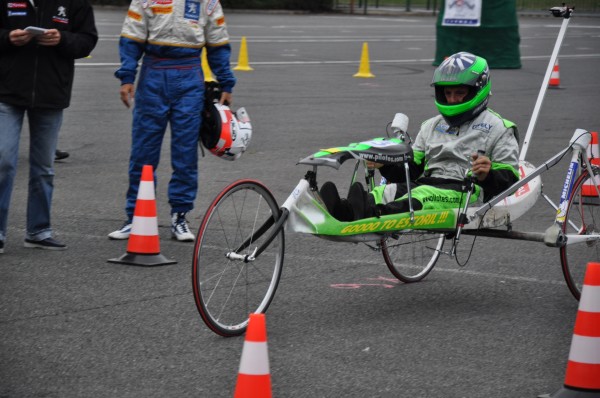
(225, 133)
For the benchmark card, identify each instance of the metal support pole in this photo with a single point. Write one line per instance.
(566, 13)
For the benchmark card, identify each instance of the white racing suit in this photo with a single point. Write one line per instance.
(442, 158)
(170, 35)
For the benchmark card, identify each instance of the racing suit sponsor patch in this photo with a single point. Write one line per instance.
(443, 128)
(17, 5)
(210, 6)
(17, 13)
(192, 10)
(221, 21)
(160, 10)
(134, 15)
(483, 127)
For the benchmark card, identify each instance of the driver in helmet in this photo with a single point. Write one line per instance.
(467, 135)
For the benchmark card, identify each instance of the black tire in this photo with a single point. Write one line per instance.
(582, 217)
(227, 291)
(411, 255)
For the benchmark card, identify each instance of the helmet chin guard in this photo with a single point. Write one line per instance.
(226, 134)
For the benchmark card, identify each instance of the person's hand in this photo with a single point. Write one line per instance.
(127, 93)
(19, 37)
(226, 99)
(481, 166)
(373, 165)
(50, 37)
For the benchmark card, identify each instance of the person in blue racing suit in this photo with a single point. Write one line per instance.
(170, 35)
(467, 135)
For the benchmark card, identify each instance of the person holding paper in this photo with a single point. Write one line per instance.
(39, 42)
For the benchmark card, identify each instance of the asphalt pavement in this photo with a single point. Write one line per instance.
(74, 325)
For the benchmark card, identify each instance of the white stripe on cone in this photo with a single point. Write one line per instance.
(585, 349)
(255, 359)
(589, 301)
(146, 190)
(144, 226)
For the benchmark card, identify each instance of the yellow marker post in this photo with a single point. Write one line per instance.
(364, 70)
(243, 57)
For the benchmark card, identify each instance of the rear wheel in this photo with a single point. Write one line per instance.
(411, 255)
(228, 284)
(582, 218)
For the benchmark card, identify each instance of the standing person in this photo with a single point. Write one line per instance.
(36, 77)
(466, 135)
(170, 36)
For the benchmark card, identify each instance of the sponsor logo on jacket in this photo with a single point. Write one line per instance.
(210, 6)
(483, 127)
(17, 5)
(192, 10)
(61, 15)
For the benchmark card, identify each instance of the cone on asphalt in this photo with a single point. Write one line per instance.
(593, 154)
(143, 246)
(254, 378)
(243, 64)
(554, 77)
(208, 75)
(364, 70)
(582, 379)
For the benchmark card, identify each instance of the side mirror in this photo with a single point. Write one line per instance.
(400, 124)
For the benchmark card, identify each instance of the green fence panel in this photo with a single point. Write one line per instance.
(497, 39)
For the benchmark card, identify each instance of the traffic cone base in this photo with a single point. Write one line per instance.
(145, 260)
(364, 70)
(143, 245)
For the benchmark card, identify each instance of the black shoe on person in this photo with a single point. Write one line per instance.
(340, 209)
(1, 246)
(357, 197)
(46, 244)
(330, 196)
(60, 155)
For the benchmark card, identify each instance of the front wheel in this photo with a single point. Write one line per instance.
(411, 255)
(228, 283)
(582, 218)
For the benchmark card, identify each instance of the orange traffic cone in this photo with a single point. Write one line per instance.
(554, 77)
(593, 154)
(143, 247)
(254, 379)
(582, 379)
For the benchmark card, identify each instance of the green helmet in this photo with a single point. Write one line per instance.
(462, 69)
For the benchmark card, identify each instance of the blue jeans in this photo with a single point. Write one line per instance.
(169, 92)
(44, 125)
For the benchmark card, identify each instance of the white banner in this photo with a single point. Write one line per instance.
(462, 13)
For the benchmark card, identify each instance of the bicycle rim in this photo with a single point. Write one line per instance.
(411, 255)
(583, 218)
(227, 291)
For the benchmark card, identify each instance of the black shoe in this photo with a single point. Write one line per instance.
(357, 197)
(1, 246)
(330, 196)
(340, 209)
(60, 155)
(345, 211)
(46, 244)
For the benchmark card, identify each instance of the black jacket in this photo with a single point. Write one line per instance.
(37, 76)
